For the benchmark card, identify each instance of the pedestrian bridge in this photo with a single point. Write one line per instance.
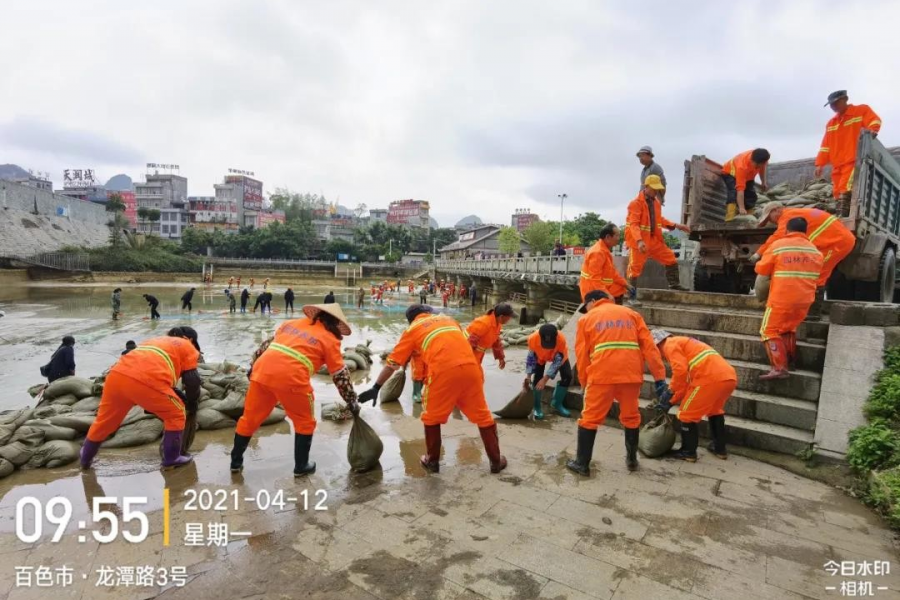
(561, 270)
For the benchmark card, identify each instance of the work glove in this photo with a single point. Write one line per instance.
(369, 394)
(665, 401)
(661, 387)
(755, 258)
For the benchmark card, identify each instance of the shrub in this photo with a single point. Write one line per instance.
(872, 446)
(884, 399)
(884, 493)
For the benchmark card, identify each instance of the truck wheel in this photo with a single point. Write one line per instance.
(840, 288)
(701, 278)
(888, 270)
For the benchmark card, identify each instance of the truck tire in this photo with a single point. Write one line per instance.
(888, 275)
(840, 288)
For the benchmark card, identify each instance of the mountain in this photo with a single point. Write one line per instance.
(467, 222)
(13, 172)
(119, 183)
(433, 222)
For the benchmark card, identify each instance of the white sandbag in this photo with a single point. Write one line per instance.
(51, 431)
(79, 386)
(336, 411)
(55, 453)
(136, 433)
(213, 419)
(761, 287)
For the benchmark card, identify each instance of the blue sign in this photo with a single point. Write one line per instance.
(343, 257)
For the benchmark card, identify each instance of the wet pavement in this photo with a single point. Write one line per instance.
(714, 529)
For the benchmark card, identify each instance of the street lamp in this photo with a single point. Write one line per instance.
(562, 199)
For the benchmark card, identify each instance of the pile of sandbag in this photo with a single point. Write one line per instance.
(817, 193)
(358, 358)
(518, 335)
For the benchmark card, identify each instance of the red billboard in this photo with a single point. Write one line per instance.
(264, 219)
(130, 203)
(253, 198)
(407, 212)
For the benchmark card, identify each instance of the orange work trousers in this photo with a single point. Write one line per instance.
(298, 403)
(598, 399)
(463, 388)
(842, 178)
(833, 255)
(705, 399)
(656, 249)
(782, 319)
(121, 393)
(589, 285)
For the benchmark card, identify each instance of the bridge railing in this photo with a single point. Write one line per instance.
(562, 306)
(568, 264)
(61, 261)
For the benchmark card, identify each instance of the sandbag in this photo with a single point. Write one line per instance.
(393, 387)
(208, 418)
(136, 413)
(761, 287)
(79, 386)
(55, 453)
(276, 416)
(657, 437)
(11, 420)
(336, 411)
(519, 407)
(6, 467)
(136, 433)
(51, 431)
(36, 389)
(216, 391)
(357, 358)
(22, 445)
(79, 422)
(364, 447)
(222, 379)
(87, 405)
(64, 400)
(50, 410)
(232, 405)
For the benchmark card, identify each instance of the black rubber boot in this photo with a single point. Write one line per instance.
(631, 448)
(302, 466)
(431, 459)
(237, 452)
(689, 438)
(717, 430)
(815, 310)
(673, 278)
(582, 462)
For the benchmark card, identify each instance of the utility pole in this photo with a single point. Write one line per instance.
(562, 199)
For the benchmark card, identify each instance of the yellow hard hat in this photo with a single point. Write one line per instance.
(653, 181)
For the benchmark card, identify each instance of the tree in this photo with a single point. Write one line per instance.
(360, 210)
(540, 236)
(116, 206)
(672, 241)
(509, 241)
(335, 247)
(586, 227)
(142, 212)
(154, 214)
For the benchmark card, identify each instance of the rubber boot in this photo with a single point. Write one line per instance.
(631, 447)
(88, 452)
(730, 212)
(717, 430)
(417, 392)
(631, 299)
(815, 310)
(237, 452)
(673, 278)
(559, 397)
(778, 357)
(492, 447)
(584, 452)
(790, 348)
(538, 409)
(302, 466)
(431, 460)
(844, 204)
(689, 438)
(171, 450)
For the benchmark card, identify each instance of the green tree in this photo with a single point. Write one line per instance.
(586, 227)
(335, 247)
(672, 241)
(541, 236)
(116, 206)
(509, 241)
(196, 241)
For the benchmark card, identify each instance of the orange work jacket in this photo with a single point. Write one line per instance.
(297, 352)
(546, 355)
(637, 223)
(823, 229)
(842, 135)
(611, 345)
(419, 372)
(794, 265)
(742, 169)
(484, 335)
(598, 268)
(694, 363)
(159, 362)
(437, 340)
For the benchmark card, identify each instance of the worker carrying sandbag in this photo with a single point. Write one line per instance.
(702, 381)
(454, 380)
(146, 376)
(282, 374)
(484, 333)
(548, 354)
(598, 271)
(794, 266)
(612, 343)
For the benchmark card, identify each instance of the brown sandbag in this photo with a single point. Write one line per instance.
(80, 422)
(364, 447)
(51, 431)
(50, 410)
(519, 407)
(87, 405)
(276, 416)
(79, 386)
(761, 288)
(10, 421)
(6, 467)
(22, 445)
(657, 437)
(64, 400)
(393, 387)
(54, 453)
(231, 405)
(136, 433)
(208, 418)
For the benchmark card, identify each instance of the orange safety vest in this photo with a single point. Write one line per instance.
(484, 333)
(823, 229)
(694, 363)
(437, 341)
(842, 135)
(546, 355)
(794, 265)
(637, 223)
(598, 266)
(297, 352)
(159, 362)
(741, 167)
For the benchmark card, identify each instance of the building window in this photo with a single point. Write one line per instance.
(165, 229)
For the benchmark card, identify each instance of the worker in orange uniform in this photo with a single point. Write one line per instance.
(548, 354)
(644, 236)
(794, 265)
(702, 382)
(419, 374)
(839, 144)
(598, 271)
(146, 376)
(282, 374)
(824, 230)
(739, 175)
(484, 333)
(454, 380)
(612, 343)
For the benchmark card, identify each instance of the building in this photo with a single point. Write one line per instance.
(479, 242)
(267, 217)
(409, 213)
(162, 191)
(378, 214)
(172, 222)
(130, 203)
(523, 218)
(335, 227)
(413, 258)
(246, 193)
(92, 193)
(209, 214)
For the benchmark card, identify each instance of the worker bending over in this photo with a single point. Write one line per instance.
(794, 265)
(548, 354)
(598, 271)
(484, 333)
(839, 144)
(282, 374)
(146, 376)
(702, 381)
(739, 175)
(612, 343)
(644, 235)
(454, 380)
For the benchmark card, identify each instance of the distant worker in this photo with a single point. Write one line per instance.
(237, 282)
(186, 300)
(289, 300)
(252, 282)
(702, 382)
(651, 167)
(360, 297)
(794, 265)
(230, 282)
(266, 284)
(739, 175)
(423, 295)
(116, 302)
(454, 381)
(267, 298)
(484, 333)
(598, 271)
(232, 302)
(62, 362)
(445, 296)
(473, 294)
(153, 303)
(129, 346)
(329, 298)
(839, 144)
(260, 302)
(612, 344)
(558, 249)
(245, 297)
(548, 354)
(825, 231)
(644, 236)
(146, 377)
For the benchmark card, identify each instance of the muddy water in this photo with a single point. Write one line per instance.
(38, 316)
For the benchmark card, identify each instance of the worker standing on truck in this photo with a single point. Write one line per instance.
(739, 175)
(598, 271)
(825, 231)
(702, 381)
(839, 143)
(794, 264)
(651, 167)
(644, 236)
(612, 343)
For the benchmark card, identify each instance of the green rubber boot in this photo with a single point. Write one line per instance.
(559, 396)
(538, 409)
(417, 392)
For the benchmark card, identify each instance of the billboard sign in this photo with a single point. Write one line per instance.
(75, 178)
(402, 212)
(253, 198)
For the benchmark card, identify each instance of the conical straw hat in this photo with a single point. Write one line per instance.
(334, 309)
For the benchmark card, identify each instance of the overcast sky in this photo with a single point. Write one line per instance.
(479, 107)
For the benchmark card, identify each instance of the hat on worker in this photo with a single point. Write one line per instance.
(592, 296)
(645, 150)
(548, 333)
(659, 335)
(417, 309)
(653, 181)
(835, 96)
(311, 310)
(767, 212)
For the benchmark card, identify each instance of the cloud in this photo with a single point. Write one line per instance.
(31, 134)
